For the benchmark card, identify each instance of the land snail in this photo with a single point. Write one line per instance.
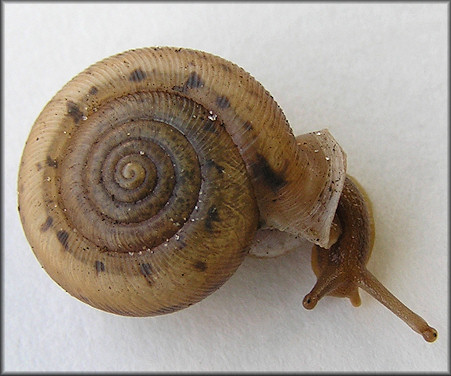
(146, 179)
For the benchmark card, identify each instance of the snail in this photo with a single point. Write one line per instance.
(144, 182)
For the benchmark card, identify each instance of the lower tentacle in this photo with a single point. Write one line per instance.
(326, 283)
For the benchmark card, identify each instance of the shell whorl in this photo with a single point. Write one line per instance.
(143, 179)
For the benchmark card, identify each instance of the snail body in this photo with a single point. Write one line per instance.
(145, 179)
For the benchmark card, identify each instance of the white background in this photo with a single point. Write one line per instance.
(374, 74)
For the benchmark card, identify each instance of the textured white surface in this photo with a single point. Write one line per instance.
(374, 74)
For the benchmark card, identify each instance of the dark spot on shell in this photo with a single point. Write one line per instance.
(46, 225)
(225, 67)
(223, 102)
(210, 126)
(52, 162)
(270, 177)
(248, 126)
(210, 163)
(212, 216)
(63, 237)
(100, 266)
(93, 90)
(200, 265)
(194, 81)
(74, 112)
(137, 75)
(181, 244)
(146, 269)
(38, 166)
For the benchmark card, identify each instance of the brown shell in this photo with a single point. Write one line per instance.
(144, 178)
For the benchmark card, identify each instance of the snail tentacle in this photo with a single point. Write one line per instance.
(341, 269)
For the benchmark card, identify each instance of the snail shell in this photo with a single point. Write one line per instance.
(144, 180)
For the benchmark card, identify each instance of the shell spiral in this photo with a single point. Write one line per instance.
(143, 180)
